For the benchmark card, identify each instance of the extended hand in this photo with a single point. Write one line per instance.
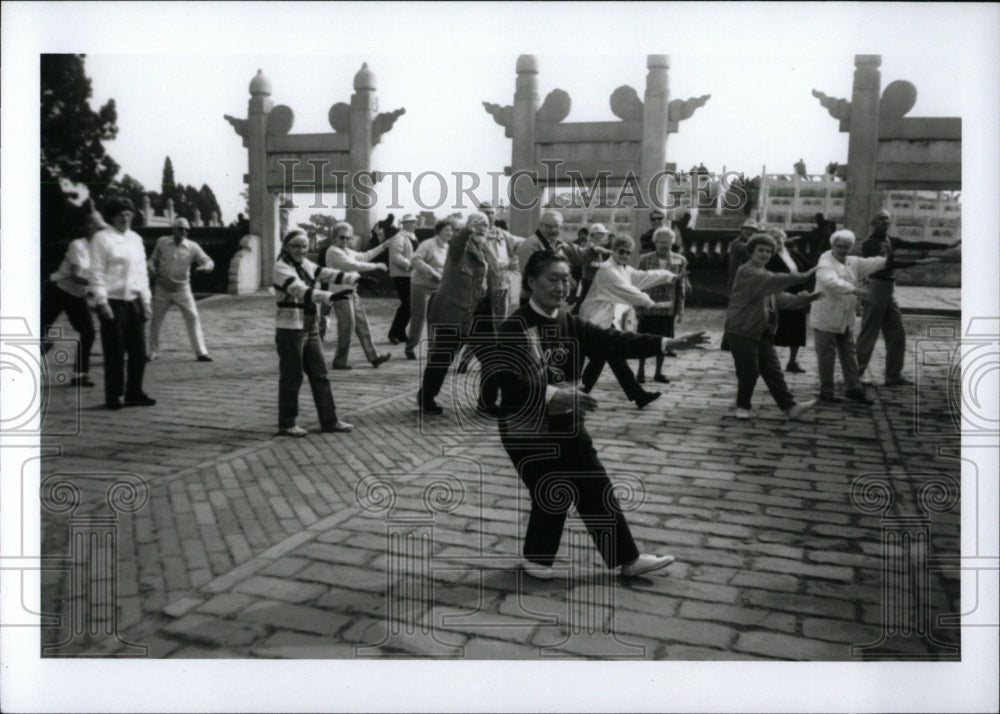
(351, 278)
(810, 271)
(105, 311)
(814, 296)
(862, 293)
(690, 341)
(382, 266)
(570, 399)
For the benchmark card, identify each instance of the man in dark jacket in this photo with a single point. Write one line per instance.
(880, 312)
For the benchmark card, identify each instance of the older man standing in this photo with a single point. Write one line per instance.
(880, 312)
(547, 238)
(656, 218)
(401, 247)
(170, 264)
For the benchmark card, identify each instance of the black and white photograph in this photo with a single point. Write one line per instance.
(676, 354)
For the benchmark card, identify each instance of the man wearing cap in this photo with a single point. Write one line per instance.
(120, 285)
(170, 264)
(597, 236)
(880, 312)
(547, 238)
(656, 218)
(738, 250)
(401, 247)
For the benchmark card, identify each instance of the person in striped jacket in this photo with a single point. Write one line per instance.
(300, 348)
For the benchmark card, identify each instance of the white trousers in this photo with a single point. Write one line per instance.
(184, 299)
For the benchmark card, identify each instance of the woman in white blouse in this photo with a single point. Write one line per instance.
(618, 289)
(428, 262)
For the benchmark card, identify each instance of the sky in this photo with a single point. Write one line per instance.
(174, 70)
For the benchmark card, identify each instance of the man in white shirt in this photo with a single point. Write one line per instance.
(171, 263)
(120, 285)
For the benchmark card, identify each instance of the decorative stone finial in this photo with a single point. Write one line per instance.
(260, 84)
(527, 64)
(364, 79)
(870, 60)
(653, 61)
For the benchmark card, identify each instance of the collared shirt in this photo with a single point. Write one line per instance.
(78, 254)
(118, 268)
(171, 262)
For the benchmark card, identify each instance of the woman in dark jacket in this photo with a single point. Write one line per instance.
(791, 332)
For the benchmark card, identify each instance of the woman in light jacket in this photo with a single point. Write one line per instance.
(428, 264)
(617, 288)
(300, 348)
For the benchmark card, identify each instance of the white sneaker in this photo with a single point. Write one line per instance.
(742, 413)
(646, 563)
(152, 356)
(794, 411)
(539, 572)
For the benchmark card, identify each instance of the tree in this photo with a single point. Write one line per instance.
(71, 148)
(320, 226)
(167, 182)
(208, 206)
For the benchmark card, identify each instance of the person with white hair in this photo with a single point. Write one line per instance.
(839, 278)
(347, 307)
(617, 289)
(170, 265)
(459, 310)
(547, 238)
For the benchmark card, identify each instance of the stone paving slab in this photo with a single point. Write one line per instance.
(402, 538)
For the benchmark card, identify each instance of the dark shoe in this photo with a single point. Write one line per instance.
(113, 406)
(384, 357)
(859, 396)
(410, 354)
(393, 340)
(428, 406)
(640, 378)
(830, 399)
(645, 398)
(83, 381)
(140, 400)
(669, 353)
(661, 379)
(899, 381)
(794, 368)
(341, 366)
(205, 358)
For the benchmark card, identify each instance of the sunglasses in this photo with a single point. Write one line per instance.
(623, 251)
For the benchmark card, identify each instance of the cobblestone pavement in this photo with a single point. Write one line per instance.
(402, 538)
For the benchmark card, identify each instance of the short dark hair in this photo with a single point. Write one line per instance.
(540, 261)
(442, 224)
(760, 239)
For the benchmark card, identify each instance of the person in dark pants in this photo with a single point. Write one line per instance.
(402, 243)
(542, 420)
(300, 348)
(751, 320)
(880, 312)
(791, 332)
(67, 291)
(461, 313)
(120, 285)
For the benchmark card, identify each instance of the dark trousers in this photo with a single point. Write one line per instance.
(123, 335)
(301, 351)
(623, 373)
(880, 313)
(398, 328)
(755, 358)
(572, 475)
(446, 342)
(55, 300)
